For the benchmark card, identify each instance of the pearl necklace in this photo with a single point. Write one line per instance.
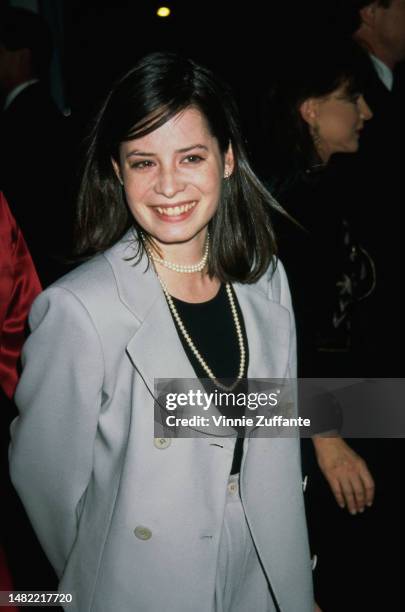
(183, 268)
(194, 349)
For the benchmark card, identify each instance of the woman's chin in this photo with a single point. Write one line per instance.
(176, 235)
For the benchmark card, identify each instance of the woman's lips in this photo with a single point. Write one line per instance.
(176, 212)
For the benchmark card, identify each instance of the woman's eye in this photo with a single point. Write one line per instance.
(193, 159)
(146, 163)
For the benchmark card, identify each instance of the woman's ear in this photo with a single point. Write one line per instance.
(229, 162)
(117, 170)
(309, 111)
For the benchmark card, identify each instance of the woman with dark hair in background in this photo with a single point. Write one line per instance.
(316, 110)
(183, 283)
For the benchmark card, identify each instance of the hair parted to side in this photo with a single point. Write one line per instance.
(160, 86)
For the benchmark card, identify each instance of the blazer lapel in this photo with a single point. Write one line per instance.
(268, 331)
(156, 350)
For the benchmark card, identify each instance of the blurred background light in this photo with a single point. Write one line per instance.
(163, 11)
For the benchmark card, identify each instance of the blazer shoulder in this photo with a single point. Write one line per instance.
(87, 276)
(101, 272)
(92, 283)
(274, 283)
(88, 296)
(110, 283)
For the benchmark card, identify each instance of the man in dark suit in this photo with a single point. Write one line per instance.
(373, 178)
(34, 149)
(373, 184)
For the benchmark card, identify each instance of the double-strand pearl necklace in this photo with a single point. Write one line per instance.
(194, 349)
(183, 268)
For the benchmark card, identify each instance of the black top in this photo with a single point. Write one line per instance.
(211, 327)
(313, 258)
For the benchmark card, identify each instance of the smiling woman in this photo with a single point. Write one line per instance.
(184, 284)
(163, 138)
(174, 191)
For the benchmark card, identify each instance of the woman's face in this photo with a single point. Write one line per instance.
(336, 121)
(173, 177)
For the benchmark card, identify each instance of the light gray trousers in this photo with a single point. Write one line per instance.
(240, 581)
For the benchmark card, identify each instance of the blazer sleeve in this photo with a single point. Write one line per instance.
(59, 399)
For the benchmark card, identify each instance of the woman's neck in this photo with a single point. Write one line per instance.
(190, 287)
(193, 288)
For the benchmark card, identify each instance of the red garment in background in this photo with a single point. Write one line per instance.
(19, 285)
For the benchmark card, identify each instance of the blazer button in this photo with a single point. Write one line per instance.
(233, 487)
(142, 533)
(304, 484)
(162, 442)
(314, 562)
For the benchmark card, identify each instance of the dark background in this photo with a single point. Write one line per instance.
(242, 42)
(96, 41)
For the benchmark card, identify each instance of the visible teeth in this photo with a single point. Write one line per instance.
(175, 210)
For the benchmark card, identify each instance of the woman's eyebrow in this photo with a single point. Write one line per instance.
(184, 150)
(196, 146)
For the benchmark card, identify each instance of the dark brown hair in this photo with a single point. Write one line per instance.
(159, 87)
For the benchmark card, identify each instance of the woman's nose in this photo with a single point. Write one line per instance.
(168, 183)
(364, 109)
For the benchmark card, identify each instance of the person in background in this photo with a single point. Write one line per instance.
(19, 285)
(184, 284)
(374, 177)
(311, 114)
(35, 149)
(314, 111)
(381, 31)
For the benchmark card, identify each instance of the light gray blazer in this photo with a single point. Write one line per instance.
(131, 522)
